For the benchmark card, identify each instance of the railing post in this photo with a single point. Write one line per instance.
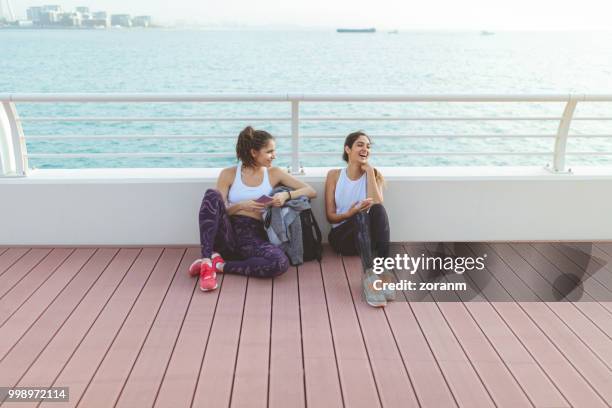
(295, 137)
(562, 133)
(12, 143)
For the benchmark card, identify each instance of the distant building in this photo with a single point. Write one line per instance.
(24, 23)
(69, 19)
(53, 15)
(33, 14)
(48, 18)
(141, 21)
(83, 12)
(121, 20)
(95, 23)
(54, 8)
(97, 19)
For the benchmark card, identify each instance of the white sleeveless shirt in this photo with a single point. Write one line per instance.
(241, 192)
(348, 192)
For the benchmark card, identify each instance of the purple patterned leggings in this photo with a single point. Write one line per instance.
(242, 241)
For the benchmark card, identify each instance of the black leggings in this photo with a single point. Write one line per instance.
(365, 233)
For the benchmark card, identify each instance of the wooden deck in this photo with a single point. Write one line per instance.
(126, 327)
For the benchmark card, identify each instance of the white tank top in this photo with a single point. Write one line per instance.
(240, 192)
(349, 192)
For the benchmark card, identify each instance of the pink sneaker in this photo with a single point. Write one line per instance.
(216, 260)
(196, 266)
(208, 277)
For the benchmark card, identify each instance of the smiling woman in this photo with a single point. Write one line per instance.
(353, 205)
(230, 216)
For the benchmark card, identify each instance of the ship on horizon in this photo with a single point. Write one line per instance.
(356, 30)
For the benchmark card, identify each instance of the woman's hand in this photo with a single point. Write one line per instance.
(367, 167)
(363, 205)
(279, 199)
(252, 205)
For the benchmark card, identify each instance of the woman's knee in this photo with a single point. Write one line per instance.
(213, 194)
(378, 214)
(282, 265)
(212, 198)
(377, 209)
(278, 261)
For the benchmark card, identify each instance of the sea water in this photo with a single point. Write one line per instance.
(281, 62)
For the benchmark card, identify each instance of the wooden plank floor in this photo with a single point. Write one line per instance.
(127, 327)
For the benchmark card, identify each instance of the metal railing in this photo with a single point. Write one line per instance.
(14, 156)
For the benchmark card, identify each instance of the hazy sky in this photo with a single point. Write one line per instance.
(402, 14)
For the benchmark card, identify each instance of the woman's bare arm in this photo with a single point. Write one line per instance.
(374, 191)
(280, 176)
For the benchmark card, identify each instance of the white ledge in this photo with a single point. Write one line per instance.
(174, 175)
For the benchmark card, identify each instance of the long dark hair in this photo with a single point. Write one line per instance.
(349, 142)
(249, 139)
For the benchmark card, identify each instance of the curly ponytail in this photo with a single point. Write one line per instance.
(250, 139)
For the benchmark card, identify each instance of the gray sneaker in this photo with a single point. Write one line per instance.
(388, 277)
(373, 297)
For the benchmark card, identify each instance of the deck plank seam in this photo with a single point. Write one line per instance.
(433, 355)
(550, 283)
(604, 267)
(604, 308)
(114, 337)
(331, 332)
(585, 316)
(554, 344)
(563, 320)
(519, 339)
(119, 332)
(15, 261)
(178, 335)
(489, 392)
(144, 341)
(410, 380)
(590, 275)
(491, 343)
(212, 322)
(270, 341)
(603, 249)
(27, 273)
(246, 291)
(297, 277)
(365, 348)
(73, 310)
(525, 348)
(55, 298)
(560, 272)
(43, 282)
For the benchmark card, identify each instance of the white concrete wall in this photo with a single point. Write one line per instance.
(160, 207)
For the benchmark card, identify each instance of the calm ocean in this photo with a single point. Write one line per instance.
(305, 62)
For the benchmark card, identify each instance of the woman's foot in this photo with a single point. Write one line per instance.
(374, 297)
(208, 276)
(217, 263)
(195, 267)
(387, 277)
